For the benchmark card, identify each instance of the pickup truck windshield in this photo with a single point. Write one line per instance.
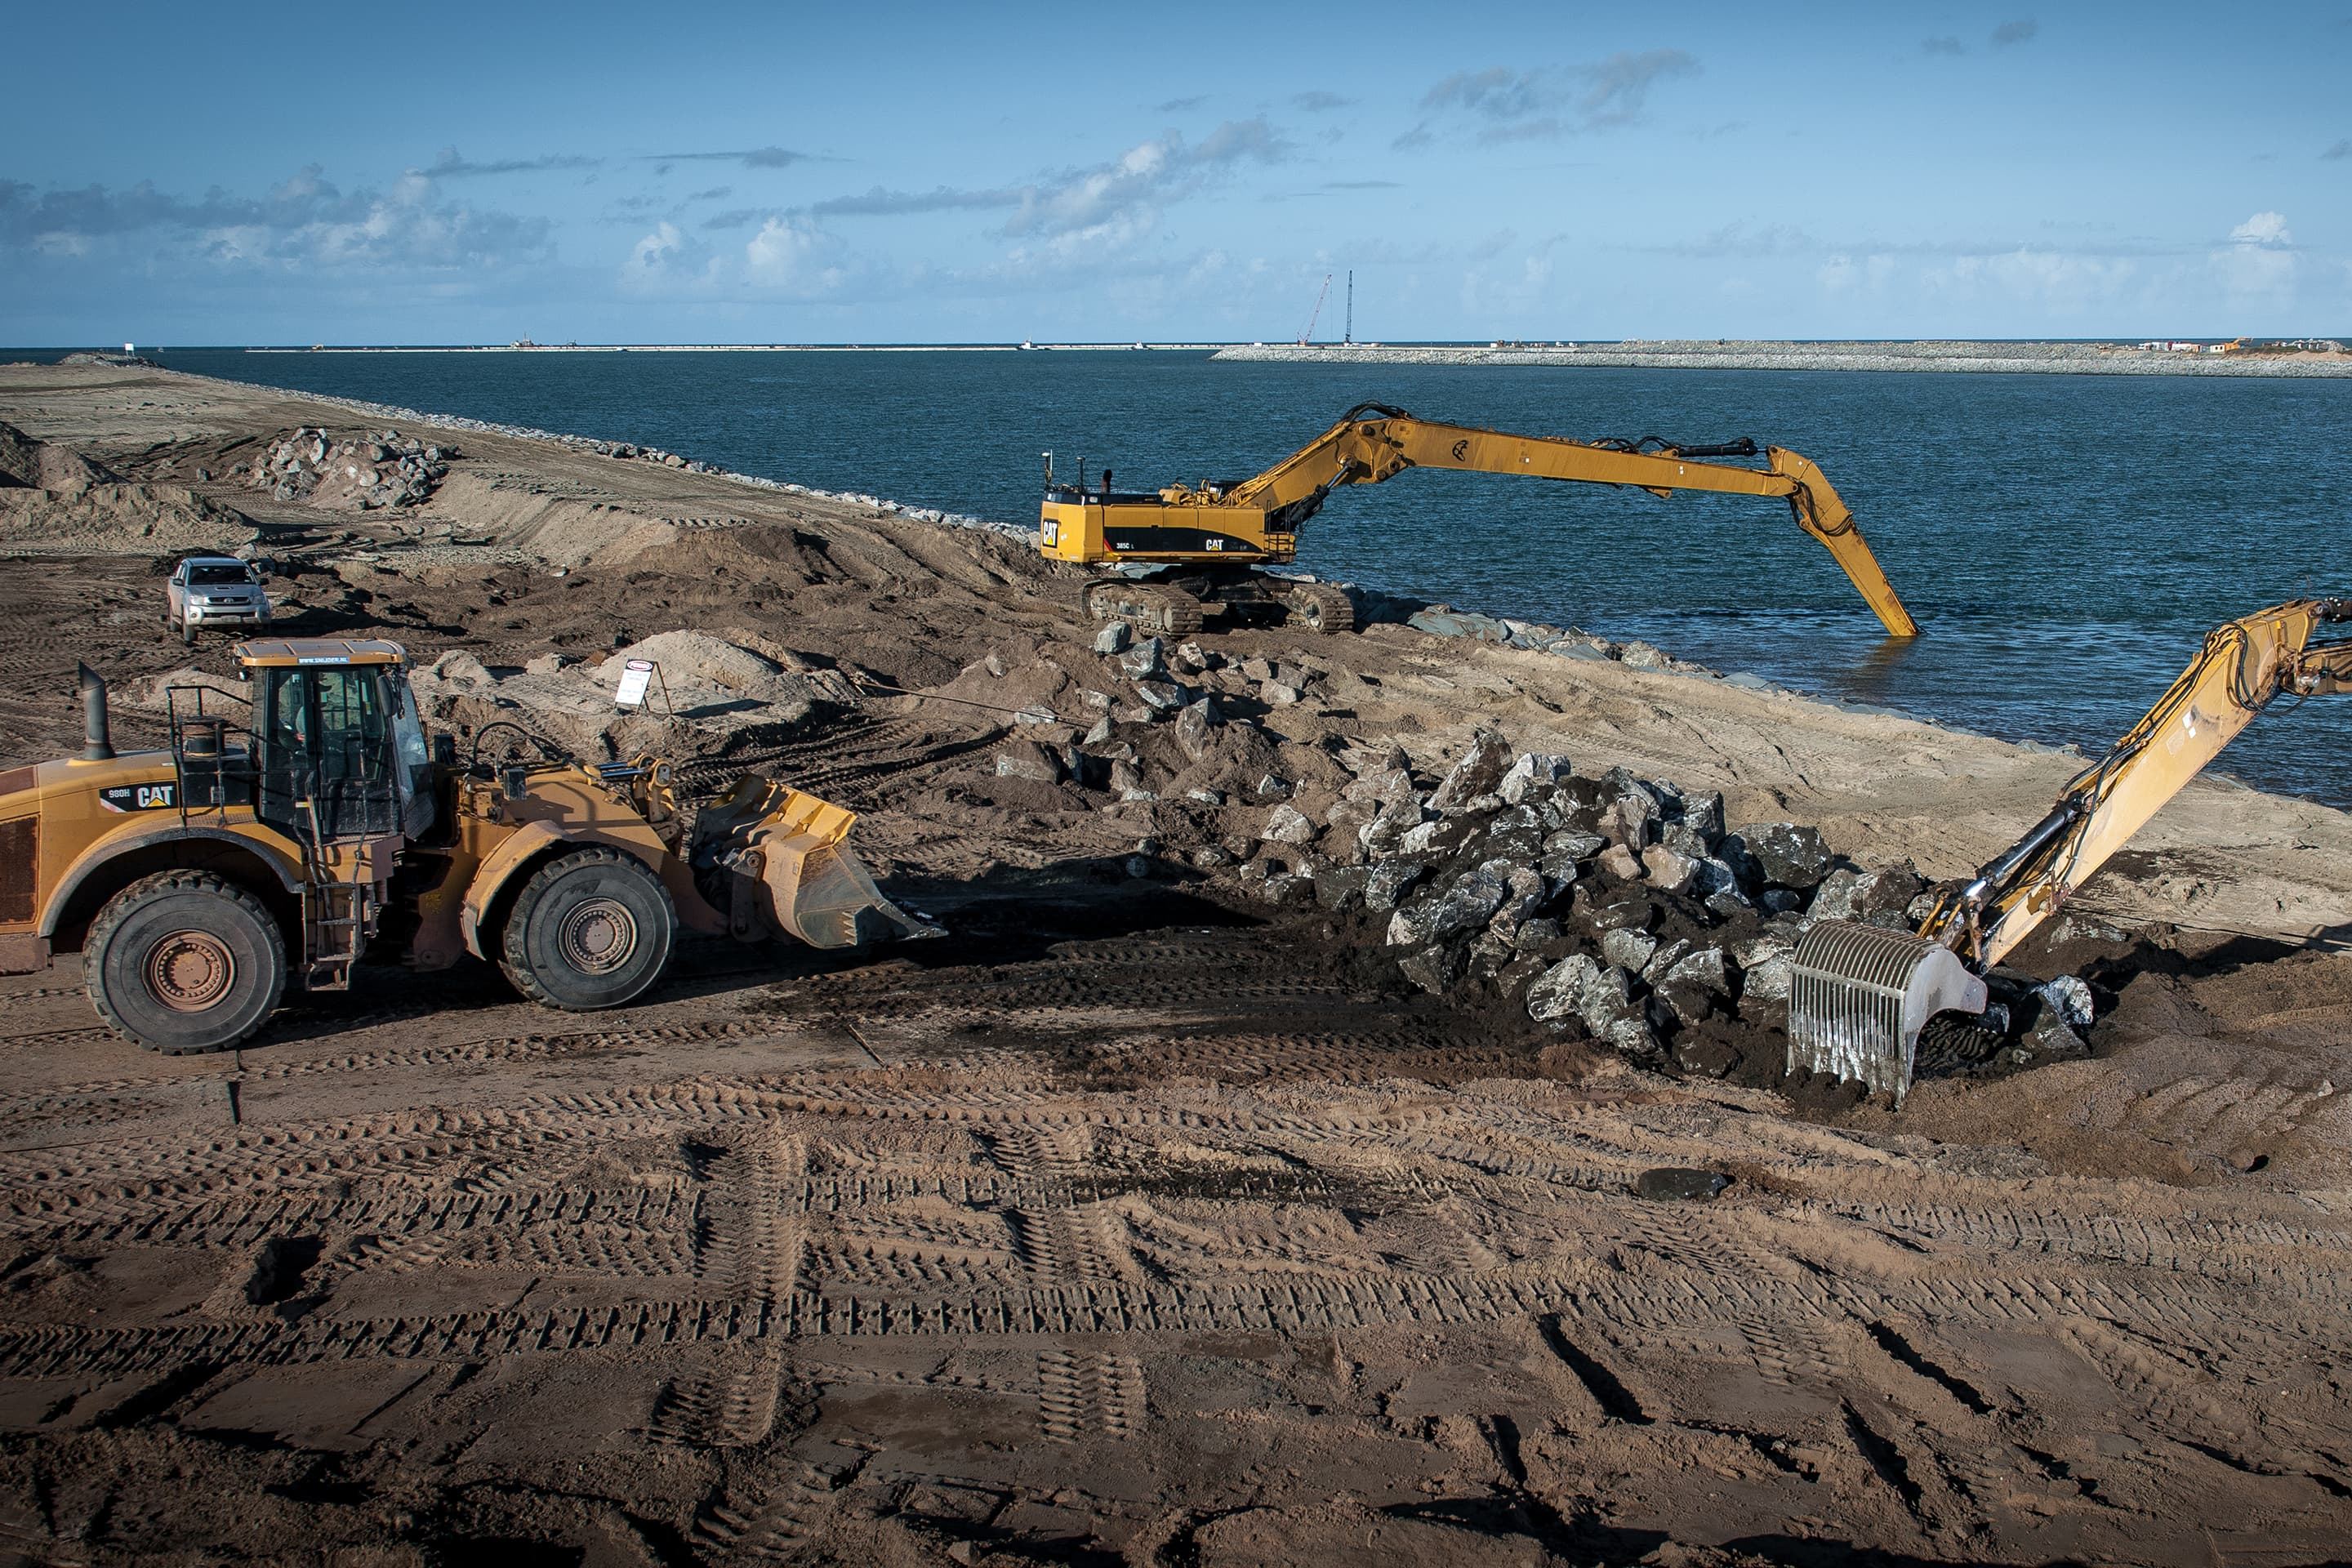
(214, 574)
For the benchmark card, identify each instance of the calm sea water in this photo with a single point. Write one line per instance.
(2064, 542)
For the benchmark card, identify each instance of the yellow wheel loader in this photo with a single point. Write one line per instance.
(1187, 551)
(1860, 994)
(281, 836)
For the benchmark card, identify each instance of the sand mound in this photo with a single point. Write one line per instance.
(716, 674)
(722, 696)
(118, 519)
(28, 463)
(564, 530)
(155, 693)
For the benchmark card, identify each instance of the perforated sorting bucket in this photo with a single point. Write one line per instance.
(1859, 995)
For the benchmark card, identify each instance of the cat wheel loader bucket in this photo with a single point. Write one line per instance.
(1859, 995)
(786, 863)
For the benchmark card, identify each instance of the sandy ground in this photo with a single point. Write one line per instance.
(1136, 1222)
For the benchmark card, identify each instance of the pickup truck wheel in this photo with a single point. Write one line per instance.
(185, 962)
(187, 632)
(591, 929)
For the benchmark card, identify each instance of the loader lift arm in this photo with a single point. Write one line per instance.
(1860, 993)
(1373, 442)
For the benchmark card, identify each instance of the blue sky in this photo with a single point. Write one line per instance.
(899, 172)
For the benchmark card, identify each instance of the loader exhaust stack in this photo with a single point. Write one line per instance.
(1859, 995)
(97, 732)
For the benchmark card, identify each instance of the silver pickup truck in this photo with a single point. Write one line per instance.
(214, 591)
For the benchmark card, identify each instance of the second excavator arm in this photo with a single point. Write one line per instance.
(1373, 442)
(1860, 993)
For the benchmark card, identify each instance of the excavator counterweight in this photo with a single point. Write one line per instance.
(1202, 542)
(1860, 995)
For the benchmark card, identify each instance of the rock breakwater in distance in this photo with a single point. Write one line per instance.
(1981, 357)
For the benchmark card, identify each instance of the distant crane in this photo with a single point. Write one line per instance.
(1309, 335)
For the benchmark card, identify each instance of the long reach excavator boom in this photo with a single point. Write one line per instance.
(1860, 994)
(1208, 536)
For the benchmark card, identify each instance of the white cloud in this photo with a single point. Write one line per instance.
(1119, 201)
(1531, 105)
(2266, 229)
(791, 255)
(304, 222)
(2260, 260)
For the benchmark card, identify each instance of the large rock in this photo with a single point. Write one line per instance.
(1578, 804)
(1146, 661)
(1535, 773)
(1517, 833)
(1668, 953)
(1389, 881)
(1028, 761)
(1342, 887)
(2069, 998)
(1669, 872)
(1790, 856)
(1112, 638)
(1877, 898)
(1696, 986)
(1629, 948)
(1286, 824)
(1433, 968)
(1557, 995)
(1599, 996)
(1764, 966)
(1476, 772)
(1466, 906)
(1443, 836)
(1195, 729)
(1162, 696)
(1523, 892)
(1703, 814)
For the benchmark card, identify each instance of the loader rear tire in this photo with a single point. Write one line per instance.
(591, 929)
(185, 962)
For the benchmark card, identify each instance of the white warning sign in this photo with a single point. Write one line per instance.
(637, 677)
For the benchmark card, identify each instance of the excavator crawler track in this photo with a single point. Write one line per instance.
(1153, 608)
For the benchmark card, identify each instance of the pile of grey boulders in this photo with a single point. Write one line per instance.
(1153, 723)
(372, 470)
(1617, 908)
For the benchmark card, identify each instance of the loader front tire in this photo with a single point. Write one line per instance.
(591, 929)
(185, 962)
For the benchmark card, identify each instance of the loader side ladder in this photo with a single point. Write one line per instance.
(336, 913)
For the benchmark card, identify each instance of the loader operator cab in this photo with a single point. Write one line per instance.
(339, 747)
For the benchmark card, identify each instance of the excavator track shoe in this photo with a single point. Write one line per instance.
(1319, 607)
(1859, 995)
(1153, 609)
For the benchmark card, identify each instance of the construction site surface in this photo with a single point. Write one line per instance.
(1152, 1217)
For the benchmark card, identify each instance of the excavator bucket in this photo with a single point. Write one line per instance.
(785, 864)
(1859, 995)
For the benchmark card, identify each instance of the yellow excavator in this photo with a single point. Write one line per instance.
(1186, 551)
(1860, 994)
(281, 836)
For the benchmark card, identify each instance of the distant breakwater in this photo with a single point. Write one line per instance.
(1981, 358)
